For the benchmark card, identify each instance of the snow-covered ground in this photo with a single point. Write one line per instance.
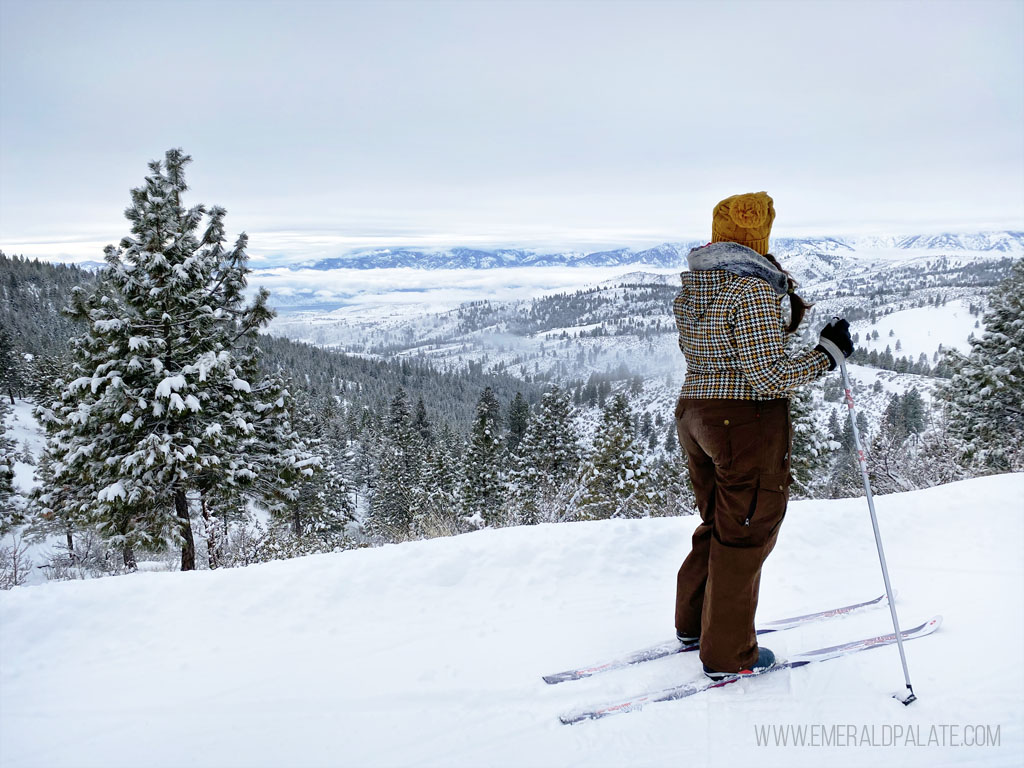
(922, 330)
(408, 312)
(430, 653)
(21, 427)
(24, 430)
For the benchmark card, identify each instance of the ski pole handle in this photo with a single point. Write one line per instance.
(831, 337)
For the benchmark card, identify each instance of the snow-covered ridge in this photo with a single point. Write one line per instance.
(430, 653)
(476, 258)
(642, 278)
(664, 255)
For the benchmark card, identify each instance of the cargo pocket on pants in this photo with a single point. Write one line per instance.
(772, 497)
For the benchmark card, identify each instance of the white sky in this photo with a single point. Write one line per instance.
(323, 126)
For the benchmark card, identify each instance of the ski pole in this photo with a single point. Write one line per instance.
(874, 524)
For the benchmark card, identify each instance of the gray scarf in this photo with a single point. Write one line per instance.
(739, 260)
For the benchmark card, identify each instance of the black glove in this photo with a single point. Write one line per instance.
(835, 339)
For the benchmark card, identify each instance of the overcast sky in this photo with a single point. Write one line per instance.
(323, 126)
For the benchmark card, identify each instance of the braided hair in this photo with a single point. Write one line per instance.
(798, 307)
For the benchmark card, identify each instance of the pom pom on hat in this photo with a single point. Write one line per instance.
(749, 211)
(745, 219)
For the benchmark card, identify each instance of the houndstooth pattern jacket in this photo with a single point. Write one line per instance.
(731, 329)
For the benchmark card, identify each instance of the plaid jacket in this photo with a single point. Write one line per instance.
(731, 334)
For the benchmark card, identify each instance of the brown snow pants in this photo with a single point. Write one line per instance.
(738, 454)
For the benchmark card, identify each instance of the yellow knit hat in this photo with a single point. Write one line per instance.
(744, 219)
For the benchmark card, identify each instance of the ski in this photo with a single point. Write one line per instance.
(673, 647)
(697, 686)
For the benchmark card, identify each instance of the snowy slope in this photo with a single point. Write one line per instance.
(24, 430)
(416, 313)
(430, 653)
(922, 330)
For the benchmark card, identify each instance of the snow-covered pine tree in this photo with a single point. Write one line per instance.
(399, 473)
(484, 469)
(11, 512)
(518, 418)
(167, 397)
(547, 460)
(315, 515)
(364, 439)
(835, 428)
(614, 480)
(671, 444)
(335, 510)
(12, 365)
(673, 491)
(436, 499)
(904, 415)
(910, 452)
(844, 478)
(813, 448)
(985, 396)
(421, 424)
(59, 508)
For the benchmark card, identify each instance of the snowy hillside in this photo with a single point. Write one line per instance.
(921, 330)
(914, 301)
(26, 433)
(431, 653)
(444, 283)
(424, 313)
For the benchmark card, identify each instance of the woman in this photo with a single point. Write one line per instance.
(733, 422)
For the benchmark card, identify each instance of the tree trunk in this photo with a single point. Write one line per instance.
(188, 546)
(129, 558)
(71, 545)
(212, 547)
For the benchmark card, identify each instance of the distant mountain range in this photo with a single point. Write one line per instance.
(664, 255)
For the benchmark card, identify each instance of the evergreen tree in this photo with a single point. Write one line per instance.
(399, 473)
(985, 396)
(613, 481)
(915, 412)
(847, 440)
(12, 374)
(904, 415)
(518, 418)
(646, 424)
(548, 460)
(811, 453)
(671, 444)
(893, 421)
(436, 500)
(835, 429)
(483, 488)
(421, 424)
(11, 513)
(844, 477)
(59, 508)
(673, 490)
(167, 397)
(321, 510)
(931, 458)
